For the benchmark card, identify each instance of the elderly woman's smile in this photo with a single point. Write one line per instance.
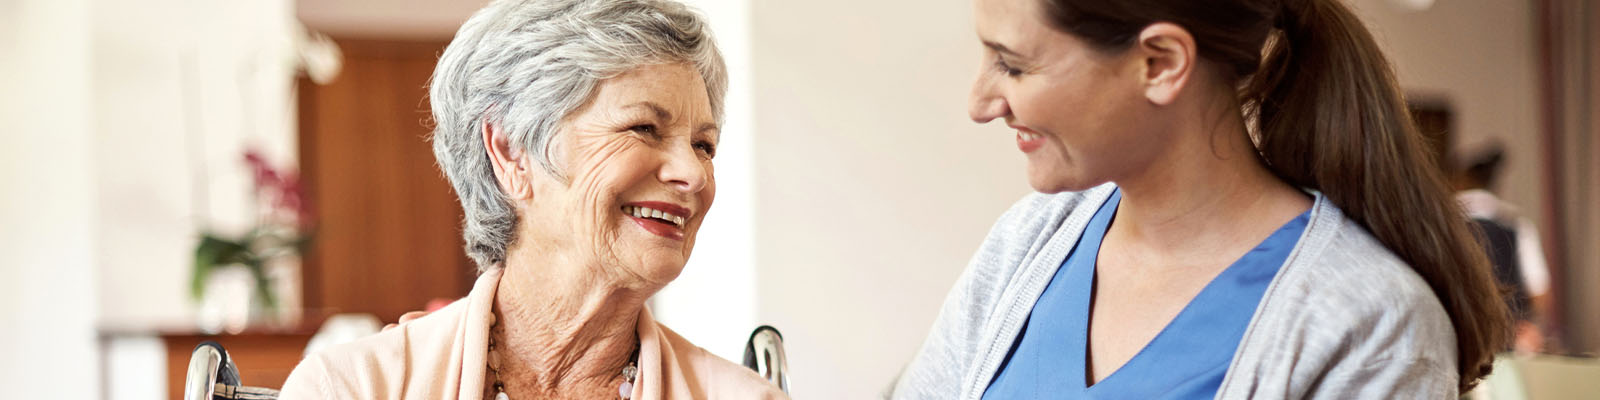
(664, 219)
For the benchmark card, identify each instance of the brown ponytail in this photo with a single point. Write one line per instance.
(1329, 115)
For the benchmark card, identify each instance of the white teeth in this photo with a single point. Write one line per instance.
(1027, 136)
(645, 212)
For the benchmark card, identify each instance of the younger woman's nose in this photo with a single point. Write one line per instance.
(986, 105)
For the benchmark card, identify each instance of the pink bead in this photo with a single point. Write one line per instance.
(626, 390)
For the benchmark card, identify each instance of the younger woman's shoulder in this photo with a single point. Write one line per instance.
(1354, 268)
(1346, 281)
(1343, 310)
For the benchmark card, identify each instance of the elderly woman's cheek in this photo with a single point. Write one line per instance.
(595, 151)
(594, 191)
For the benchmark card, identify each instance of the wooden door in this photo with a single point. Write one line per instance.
(1433, 119)
(388, 236)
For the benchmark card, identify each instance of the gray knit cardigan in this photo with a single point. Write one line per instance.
(1343, 319)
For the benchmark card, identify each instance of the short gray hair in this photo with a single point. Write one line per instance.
(523, 66)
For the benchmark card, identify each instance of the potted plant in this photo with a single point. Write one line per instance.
(283, 230)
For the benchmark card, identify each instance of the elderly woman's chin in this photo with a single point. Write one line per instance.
(668, 263)
(654, 256)
(657, 264)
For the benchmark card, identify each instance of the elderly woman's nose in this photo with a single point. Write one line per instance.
(684, 171)
(986, 105)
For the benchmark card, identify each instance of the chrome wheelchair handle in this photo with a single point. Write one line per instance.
(204, 364)
(213, 376)
(764, 354)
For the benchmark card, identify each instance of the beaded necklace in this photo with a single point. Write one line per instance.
(625, 390)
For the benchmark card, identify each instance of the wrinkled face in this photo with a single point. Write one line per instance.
(639, 178)
(1077, 113)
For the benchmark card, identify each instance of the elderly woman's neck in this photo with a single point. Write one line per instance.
(564, 332)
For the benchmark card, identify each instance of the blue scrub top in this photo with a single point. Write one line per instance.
(1186, 360)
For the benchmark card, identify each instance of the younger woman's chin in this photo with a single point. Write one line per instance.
(1059, 183)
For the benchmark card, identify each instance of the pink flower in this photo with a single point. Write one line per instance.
(283, 191)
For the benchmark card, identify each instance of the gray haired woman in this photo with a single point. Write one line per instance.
(579, 136)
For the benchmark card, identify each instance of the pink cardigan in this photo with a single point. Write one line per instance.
(442, 356)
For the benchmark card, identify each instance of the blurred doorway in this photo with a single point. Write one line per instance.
(388, 234)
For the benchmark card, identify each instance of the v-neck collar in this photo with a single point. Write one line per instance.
(1254, 268)
(1190, 354)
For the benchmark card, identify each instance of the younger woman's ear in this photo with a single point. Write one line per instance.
(1169, 55)
(510, 169)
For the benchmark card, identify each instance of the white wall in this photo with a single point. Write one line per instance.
(181, 89)
(387, 19)
(137, 369)
(872, 186)
(47, 296)
(104, 102)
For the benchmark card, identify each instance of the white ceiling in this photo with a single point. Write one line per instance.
(391, 19)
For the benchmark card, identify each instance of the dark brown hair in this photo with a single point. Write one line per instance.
(1328, 114)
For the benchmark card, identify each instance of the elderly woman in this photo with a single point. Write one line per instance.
(579, 136)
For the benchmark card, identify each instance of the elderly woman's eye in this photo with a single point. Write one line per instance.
(647, 129)
(704, 147)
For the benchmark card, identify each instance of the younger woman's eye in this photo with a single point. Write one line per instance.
(1000, 64)
(706, 148)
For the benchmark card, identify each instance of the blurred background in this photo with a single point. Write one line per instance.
(244, 171)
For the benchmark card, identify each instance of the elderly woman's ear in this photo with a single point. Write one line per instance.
(510, 162)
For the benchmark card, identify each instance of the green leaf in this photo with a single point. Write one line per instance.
(213, 252)
(258, 270)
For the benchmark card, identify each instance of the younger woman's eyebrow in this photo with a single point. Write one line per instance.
(1000, 48)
